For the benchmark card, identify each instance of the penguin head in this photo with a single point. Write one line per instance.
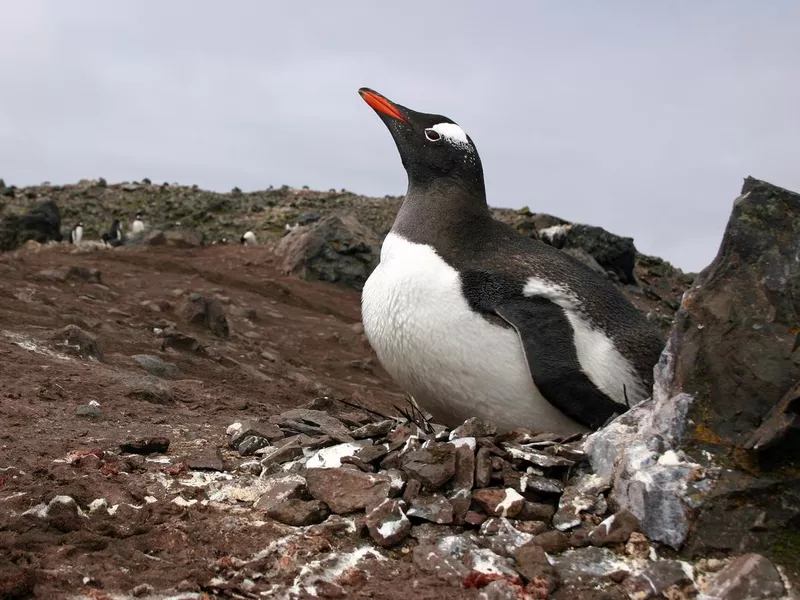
(138, 216)
(80, 223)
(431, 146)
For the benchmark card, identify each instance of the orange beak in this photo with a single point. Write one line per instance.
(380, 104)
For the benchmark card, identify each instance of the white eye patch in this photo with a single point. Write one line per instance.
(452, 133)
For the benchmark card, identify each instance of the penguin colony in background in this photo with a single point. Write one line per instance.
(248, 238)
(474, 319)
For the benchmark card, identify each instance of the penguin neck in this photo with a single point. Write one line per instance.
(442, 212)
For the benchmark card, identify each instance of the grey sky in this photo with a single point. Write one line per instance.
(641, 117)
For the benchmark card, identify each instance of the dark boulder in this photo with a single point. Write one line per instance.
(616, 254)
(710, 464)
(336, 248)
(41, 224)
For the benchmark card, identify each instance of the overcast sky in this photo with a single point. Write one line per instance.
(641, 117)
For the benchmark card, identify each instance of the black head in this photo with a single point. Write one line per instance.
(432, 147)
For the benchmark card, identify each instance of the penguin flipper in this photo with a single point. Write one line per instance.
(548, 343)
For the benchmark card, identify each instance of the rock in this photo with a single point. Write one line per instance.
(143, 589)
(148, 388)
(659, 577)
(150, 445)
(638, 545)
(573, 566)
(337, 248)
(483, 468)
(314, 422)
(728, 364)
(41, 224)
(535, 511)
(172, 338)
(430, 559)
(280, 488)
(459, 489)
(533, 565)
(748, 577)
(332, 457)
(498, 502)
(252, 427)
(433, 466)
(252, 444)
(612, 252)
(347, 490)
(431, 507)
(206, 313)
(89, 411)
(75, 341)
(277, 455)
(181, 237)
(616, 529)
(500, 589)
(373, 430)
(297, 512)
(500, 536)
(370, 454)
(480, 561)
(387, 523)
(61, 512)
(155, 366)
(473, 428)
(536, 457)
(552, 542)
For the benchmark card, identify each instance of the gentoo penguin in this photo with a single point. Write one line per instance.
(474, 319)
(76, 234)
(113, 236)
(138, 224)
(248, 238)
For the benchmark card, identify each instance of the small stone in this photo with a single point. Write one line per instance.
(502, 537)
(501, 589)
(432, 466)
(618, 576)
(528, 482)
(552, 542)
(483, 468)
(89, 411)
(355, 419)
(276, 455)
(328, 458)
(297, 512)
(347, 490)
(151, 445)
(459, 489)
(430, 559)
(580, 497)
(251, 443)
(531, 527)
(535, 511)
(615, 529)
(75, 341)
(239, 431)
(431, 507)
(319, 420)
(387, 523)
(533, 565)
(747, 577)
(498, 502)
(370, 454)
(658, 577)
(413, 487)
(398, 481)
(580, 539)
(536, 457)
(143, 589)
(475, 518)
(638, 545)
(373, 430)
(474, 428)
(280, 488)
(155, 366)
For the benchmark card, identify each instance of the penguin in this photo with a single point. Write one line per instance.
(474, 319)
(76, 234)
(248, 238)
(113, 237)
(138, 224)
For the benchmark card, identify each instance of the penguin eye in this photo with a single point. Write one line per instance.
(432, 135)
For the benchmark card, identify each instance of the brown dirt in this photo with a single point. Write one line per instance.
(303, 341)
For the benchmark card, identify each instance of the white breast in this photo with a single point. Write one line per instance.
(138, 226)
(77, 234)
(454, 362)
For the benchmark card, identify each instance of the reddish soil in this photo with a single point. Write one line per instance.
(302, 341)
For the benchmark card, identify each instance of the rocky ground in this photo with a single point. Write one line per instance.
(192, 422)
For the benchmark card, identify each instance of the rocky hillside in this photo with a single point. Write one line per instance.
(332, 251)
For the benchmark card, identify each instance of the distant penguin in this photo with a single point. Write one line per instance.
(138, 224)
(76, 234)
(113, 237)
(248, 238)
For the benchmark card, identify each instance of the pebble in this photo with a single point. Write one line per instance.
(432, 466)
(297, 512)
(387, 524)
(431, 507)
(347, 490)
(89, 411)
(151, 445)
